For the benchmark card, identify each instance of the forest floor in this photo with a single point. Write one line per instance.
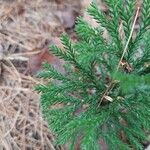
(26, 29)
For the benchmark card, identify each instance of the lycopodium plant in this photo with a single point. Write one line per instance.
(104, 94)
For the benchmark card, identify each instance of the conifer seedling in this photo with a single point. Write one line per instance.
(104, 93)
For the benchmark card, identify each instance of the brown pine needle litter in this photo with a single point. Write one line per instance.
(21, 123)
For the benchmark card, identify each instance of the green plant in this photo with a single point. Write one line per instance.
(105, 92)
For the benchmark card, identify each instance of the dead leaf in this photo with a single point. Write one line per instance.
(20, 9)
(108, 98)
(59, 1)
(35, 61)
(126, 66)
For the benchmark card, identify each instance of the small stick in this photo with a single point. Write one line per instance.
(112, 83)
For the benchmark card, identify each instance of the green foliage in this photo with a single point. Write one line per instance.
(129, 82)
(93, 100)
